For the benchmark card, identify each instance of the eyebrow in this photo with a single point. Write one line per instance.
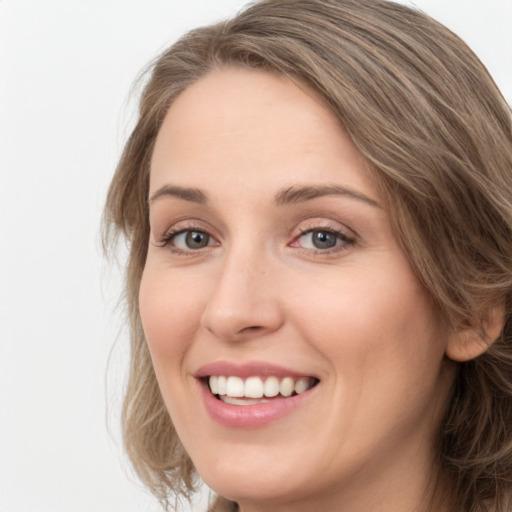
(287, 196)
(293, 195)
(193, 195)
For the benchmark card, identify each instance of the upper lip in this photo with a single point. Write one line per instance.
(245, 370)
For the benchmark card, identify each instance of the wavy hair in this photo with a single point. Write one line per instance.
(423, 110)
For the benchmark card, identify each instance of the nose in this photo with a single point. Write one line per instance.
(244, 303)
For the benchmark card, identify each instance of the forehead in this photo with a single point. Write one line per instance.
(249, 89)
(252, 125)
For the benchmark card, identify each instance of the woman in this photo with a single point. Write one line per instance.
(318, 201)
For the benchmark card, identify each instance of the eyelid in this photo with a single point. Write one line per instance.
(327, 224)
(165, 237)
(347, 237)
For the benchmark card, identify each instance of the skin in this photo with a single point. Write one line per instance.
(354, 315)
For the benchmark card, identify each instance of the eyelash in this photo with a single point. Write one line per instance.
(168, 236)
(346, 241)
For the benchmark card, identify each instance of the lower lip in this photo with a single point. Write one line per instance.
(250, 416)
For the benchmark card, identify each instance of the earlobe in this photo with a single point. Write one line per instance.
(468, 343)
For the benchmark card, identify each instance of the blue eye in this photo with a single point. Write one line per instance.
(322, 239)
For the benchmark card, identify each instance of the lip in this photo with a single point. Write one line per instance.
(246, 370)
(255, 415)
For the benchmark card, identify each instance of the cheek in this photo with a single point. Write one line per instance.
(170, 314)
(375, 325)
(385, 346)
(170, 317)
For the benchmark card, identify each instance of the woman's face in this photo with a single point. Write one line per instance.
(272, 265)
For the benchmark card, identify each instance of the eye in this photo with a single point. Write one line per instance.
(190, 240)
(186, 240)
(322, 239)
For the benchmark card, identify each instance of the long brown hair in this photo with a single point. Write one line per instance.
(423, 110)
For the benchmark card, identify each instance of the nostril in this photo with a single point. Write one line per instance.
(252, 328)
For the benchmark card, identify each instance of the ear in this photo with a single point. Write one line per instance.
(467, 343)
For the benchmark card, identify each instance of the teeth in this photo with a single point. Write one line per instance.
(214, 385)
(271, 387)
(255, 388)
(221, 385)
(286, 387)
(241, 401)
(235, 387)
(301, 385)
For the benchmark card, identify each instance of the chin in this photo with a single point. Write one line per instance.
(236, 480)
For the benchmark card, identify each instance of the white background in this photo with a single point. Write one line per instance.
(65, 73)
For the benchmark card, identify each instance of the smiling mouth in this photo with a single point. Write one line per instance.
(256, 390)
